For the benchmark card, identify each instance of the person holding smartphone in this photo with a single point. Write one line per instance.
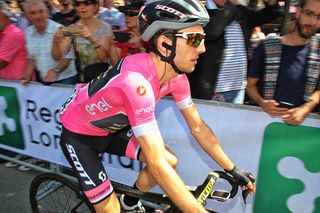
(91, 43)
(284, 70)
(128, 42)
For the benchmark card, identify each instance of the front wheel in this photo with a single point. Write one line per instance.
(54, 193)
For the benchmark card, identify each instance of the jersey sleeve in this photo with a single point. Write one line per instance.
(139, 102)
(181, 92)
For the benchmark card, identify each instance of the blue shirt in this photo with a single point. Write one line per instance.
(292, 72)
(113, 17)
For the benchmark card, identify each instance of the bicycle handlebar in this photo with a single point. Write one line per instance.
(205, 190)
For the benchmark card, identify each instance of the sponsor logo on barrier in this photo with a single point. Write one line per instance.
(10, 129)
(289, 170)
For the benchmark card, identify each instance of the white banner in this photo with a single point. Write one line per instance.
(282, 157)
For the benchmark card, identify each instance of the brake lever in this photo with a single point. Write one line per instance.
(245, 192)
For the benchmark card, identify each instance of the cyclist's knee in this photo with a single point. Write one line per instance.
(171, 158)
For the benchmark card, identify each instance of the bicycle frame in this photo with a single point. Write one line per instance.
(51, 184)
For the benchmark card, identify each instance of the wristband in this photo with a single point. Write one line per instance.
(57, 69)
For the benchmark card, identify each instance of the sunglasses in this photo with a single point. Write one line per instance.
(194, 39)
(85, 3)
(130, 13)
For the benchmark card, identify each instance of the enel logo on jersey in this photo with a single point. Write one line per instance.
(144, 110)
(101, 106)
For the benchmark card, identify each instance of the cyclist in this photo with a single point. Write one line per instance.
(114, 113)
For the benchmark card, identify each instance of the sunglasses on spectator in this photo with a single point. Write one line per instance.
(85, 3)
(130, 13)
(194, 39)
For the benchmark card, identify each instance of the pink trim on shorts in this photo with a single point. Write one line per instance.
(100, 192)
(133, 148)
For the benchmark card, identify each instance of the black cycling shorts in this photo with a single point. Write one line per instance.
(83, 154)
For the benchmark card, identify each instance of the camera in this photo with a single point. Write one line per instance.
(70, 30)
(122, 36)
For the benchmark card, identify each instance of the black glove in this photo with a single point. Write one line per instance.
(240, 175)
(243, 177)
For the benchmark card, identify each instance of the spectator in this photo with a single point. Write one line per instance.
(67, 15)
(92, 41)
(53, 7)
(134, 44)
(22, 21)
(285, 70)
(221, 72)
(256, 36)
(13, 54)
(112, 16)
(39, 38)
(13, 60)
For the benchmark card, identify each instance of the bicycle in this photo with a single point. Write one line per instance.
(51, 192)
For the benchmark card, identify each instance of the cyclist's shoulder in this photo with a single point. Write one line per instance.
(137, 69)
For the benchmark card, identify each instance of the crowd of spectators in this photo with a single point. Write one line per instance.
(65, 41)
(37, 45)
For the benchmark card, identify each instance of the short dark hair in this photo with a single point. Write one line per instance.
(302, 3)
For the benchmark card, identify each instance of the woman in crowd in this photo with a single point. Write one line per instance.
(123, 44)
(91, 39)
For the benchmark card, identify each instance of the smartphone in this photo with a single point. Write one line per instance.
(284, 104)
(220, 196)
(70, 30)
(122, 36)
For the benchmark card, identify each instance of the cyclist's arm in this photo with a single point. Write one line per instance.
(208, 141)
(205, 137)
(153, 148)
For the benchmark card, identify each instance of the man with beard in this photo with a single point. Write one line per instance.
(284, 72)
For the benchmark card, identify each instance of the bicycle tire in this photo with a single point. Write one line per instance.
(53, 193)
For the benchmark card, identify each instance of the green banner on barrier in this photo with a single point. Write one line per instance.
(10, 129)
(289, 162)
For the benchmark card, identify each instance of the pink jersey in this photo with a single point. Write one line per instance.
(125, 95)
(13, 51)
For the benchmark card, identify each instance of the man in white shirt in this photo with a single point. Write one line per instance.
(39, 38)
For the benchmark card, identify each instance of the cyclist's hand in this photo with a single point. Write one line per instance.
(245, 178)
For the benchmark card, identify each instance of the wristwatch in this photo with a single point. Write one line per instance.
(57, 69)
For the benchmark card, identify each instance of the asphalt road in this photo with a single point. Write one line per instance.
(14, 189)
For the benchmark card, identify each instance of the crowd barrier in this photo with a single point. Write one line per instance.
(284, 158)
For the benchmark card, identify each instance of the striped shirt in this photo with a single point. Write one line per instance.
(233, 71)
(39, 49)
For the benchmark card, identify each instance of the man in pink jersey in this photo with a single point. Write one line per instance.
(13, 53)
(102, 115)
